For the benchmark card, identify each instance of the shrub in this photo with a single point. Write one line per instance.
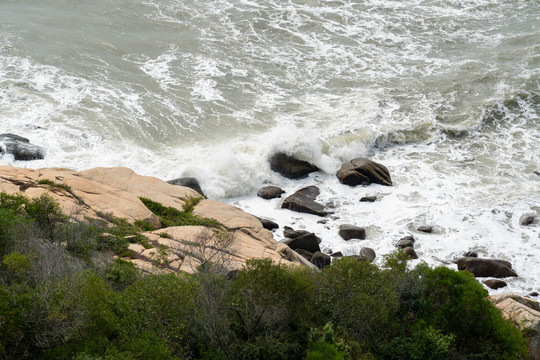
(170, 216)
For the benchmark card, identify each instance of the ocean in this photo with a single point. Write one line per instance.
(445, 93)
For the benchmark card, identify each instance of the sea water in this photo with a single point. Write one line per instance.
(445, 93)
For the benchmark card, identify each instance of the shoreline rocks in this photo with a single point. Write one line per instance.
(20, 147)
(480, 267)
(348, 232)
(361, 171)
(270, 192)
(304, 201)
(290, 167)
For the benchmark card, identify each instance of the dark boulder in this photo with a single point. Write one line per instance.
(470, 254)
(189, 182)
(290, 233)
(348, 232)
(494, 284)
(362, 171)
(321, 260)
(304, 201)
(528, 220)
(268, 224)
(306, 254)
(407, 241)
(368, 199)
(367, 254)
(290, 167)
(486, 267)
(409, 251)
(426, 229)
(309, 242)
(337, 254)
(20, 147)
(270, 192)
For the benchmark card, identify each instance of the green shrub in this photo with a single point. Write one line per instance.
(170, 216)
(324, 351)
(17, 264)
(46, 212)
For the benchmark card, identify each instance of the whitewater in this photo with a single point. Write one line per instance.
(444, 93)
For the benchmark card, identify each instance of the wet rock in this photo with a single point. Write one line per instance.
(470, 254)
(20, 147)
(534, 293)
(347, 232)
(189, 182)
(426, 229)
(322, 221)
(361, 171)
(494, 283)
(268, 224)
(270, 192)
(321, 260)
(309, 242)
(290, 233)
(304, 201)
(290, 167)
(409, 251)
(306, 254)
(407, 241)
(337, 254)
(367, 254)
(368, 199)
(486, 267)
(528, 220)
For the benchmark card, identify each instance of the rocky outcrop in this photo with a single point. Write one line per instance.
(270, 192)
(525, 314)
(189, 182)
(486, 267)
(304, 201)
(101, 192)
(20, 147)
(290, 167)
(347, 232)
(361, 171)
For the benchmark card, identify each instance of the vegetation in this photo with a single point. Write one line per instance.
(63, 296)
(170, 216)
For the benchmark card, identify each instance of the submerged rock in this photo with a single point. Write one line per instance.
(367, 254)
(361, 171)
(486, 267)
(290, 167)
(189, 182)
(270, 192)
(426, 229)
(528, 220)
(368, 199)
(20, 147)
(304, 201)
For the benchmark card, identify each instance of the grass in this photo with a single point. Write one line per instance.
(64, 187)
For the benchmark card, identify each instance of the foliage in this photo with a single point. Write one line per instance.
(170, 216)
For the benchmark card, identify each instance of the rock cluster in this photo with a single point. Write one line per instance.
(20, 147)
(115, 191)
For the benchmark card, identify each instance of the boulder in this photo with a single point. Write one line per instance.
(524, 313)
(20, 147)
(270, 192)
(290, 233)
(494, 283)
(347, 232)
(528, 220)
(407, 241)
(368, 199)
(486, 267)
(304, 201)
(321, 260)
(337, 254)
(361, 171)
(426, 229)
(470, 254)
(290, 167)
(189, 182)
(268, 224)
(409, 251)
(306, 254)
(309, 242)
(367, 254)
